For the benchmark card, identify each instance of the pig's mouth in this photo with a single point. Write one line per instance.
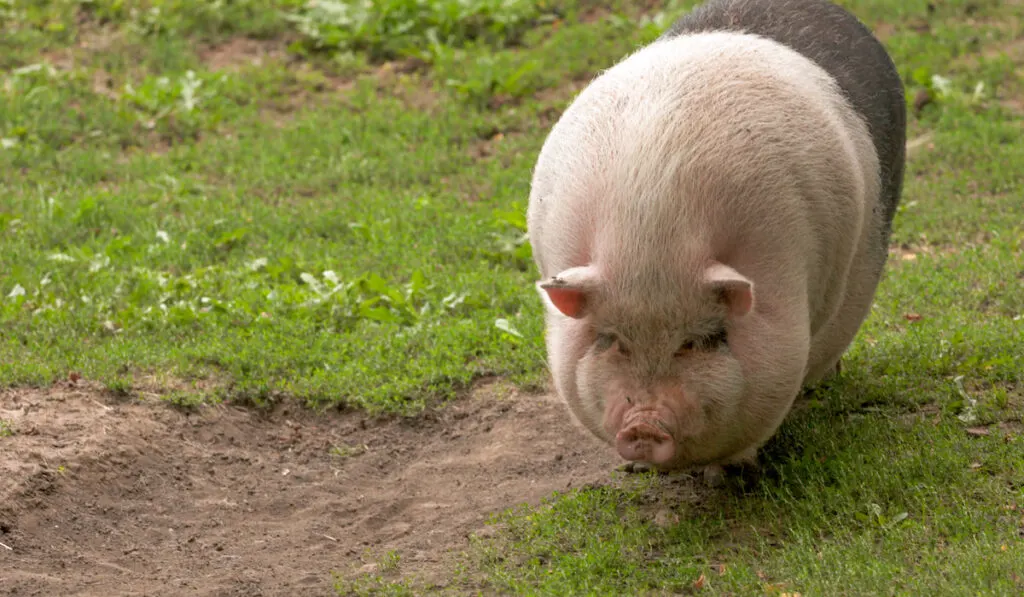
(645, 437)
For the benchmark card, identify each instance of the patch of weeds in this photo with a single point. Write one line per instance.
(933, 87)
(6, 428)
(178, 106)
(167, 18)
(371, 297)
(511, 244)
(389, 561)
(183, 280)
(387, 29)
(374, 586)
(509, 332)
(42, 112)
(348, 451)
(375, 583)
(563, 51)
(120, 386)
(145, 297)
(980, 404)
(184, 400)
(46, 111)
(476, 76)
(159, 298)
(29, 25)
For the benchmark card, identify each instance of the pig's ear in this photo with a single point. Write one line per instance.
(572, 290)
(737, 291)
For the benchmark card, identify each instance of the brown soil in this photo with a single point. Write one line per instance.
(241, 51)
(107, 497)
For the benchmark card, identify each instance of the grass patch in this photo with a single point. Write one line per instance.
(850, 501)
(395, 28)
(336, 257)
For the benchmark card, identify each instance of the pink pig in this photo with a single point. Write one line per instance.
(710, 219)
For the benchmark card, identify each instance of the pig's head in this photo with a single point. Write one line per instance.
(666, 376)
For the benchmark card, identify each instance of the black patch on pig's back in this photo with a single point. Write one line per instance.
(841, 45)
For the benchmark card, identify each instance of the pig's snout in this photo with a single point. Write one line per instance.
(645, 442)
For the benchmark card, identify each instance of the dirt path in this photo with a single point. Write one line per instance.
(100, 497)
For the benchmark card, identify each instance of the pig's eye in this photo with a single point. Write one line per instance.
(716, 340)
(685, 347)
(706, 343)
(606, 341)
(622, 348)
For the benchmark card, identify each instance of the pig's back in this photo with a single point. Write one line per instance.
(842, 46)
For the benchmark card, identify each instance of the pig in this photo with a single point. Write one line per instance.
(710, 218)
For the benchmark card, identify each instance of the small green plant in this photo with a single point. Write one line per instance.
(180, 104)
(509, 332)
(6, 428)
(345, 451)
(876, 516)
(510, 242)
(171, 18)
(185, 400)
(374, 583)
(477, 77)
(369, 297)
(120, 386)
(25, 93)
(54, 18)
(389, 561)
(944, 90)
(373, 586)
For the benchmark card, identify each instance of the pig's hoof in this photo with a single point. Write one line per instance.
(836, 371)
(714, 475)
(636, 467)
(746, 458)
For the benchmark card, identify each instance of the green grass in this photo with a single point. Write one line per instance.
(323, 228)
(207, 225)
(851, 502)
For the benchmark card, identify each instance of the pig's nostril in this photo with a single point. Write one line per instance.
(646, 443)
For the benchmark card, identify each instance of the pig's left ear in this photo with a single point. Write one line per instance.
(737, 291)
(572, 290)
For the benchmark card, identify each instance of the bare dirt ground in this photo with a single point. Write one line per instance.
(100, 496)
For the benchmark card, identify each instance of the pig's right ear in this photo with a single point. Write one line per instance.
(735, 290)
(572, 290)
